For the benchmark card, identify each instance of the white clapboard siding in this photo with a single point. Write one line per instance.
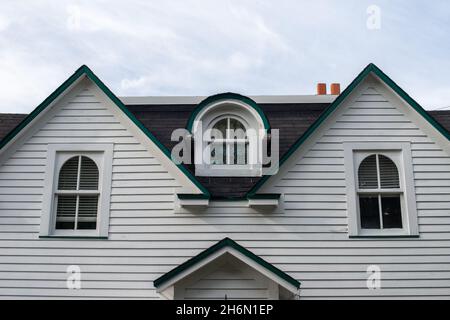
(138, 177)
(228, 280)
(366, 121)
(307, 238)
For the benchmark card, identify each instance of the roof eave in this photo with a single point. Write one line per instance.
(167, 279)
(81, 72)
(370, 68)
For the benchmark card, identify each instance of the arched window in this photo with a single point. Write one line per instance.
(228, 141)
(230, 135)
(380, 193)
(77, 195)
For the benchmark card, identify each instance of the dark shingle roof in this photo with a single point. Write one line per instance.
(9, 121)
(443, 117)
(291, 119)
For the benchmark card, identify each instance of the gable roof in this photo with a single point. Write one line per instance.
(8, 121)
(85, 71)
(291, 119)
(296, 122)
(222, 244)
(371, 68)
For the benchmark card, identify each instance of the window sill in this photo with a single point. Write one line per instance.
(385, 236)
(74, 237)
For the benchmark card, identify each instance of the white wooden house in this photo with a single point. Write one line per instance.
(89, 191)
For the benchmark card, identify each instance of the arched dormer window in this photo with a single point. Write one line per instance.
(228, 132)
(228, 141)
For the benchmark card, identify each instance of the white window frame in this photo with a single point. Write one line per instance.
(60, 162)
(400, 154)
(249, 118)
(57, 155)
(229, 140)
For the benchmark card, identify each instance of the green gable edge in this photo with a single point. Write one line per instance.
(226, 242)
(84, 70)
(264, 196)
(226, 96)
(189, 196)
(371, 68)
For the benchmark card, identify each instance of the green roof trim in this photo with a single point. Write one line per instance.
(264, 196)
(226, 242)
(42, 106)
(84, 70)
(371, 68)
(224, 97)
(189, 196)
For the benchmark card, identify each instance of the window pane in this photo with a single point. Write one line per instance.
(388, 173)
(68, 174)
(369, 211)
(87, 212)
(237, 130)
(240, 155)
(236, 124)
(222, 126)
(88, 174)
(218, 153)
(392, 212)
(65, 212)
(367, 173)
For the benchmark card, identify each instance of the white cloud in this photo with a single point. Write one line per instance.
(23, 90)
(240, 61)
(195, 47)
(73, 17)
(133, 83)
(4, 23)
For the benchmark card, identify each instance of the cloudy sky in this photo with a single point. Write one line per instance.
(193, 47)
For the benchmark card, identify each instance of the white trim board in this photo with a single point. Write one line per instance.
(183, 100)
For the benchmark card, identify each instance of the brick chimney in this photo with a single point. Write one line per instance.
(335, 89)
(321, 89)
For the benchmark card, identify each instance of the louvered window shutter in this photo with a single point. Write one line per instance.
(88, 174)
(66, 210)
(68, 176)
(378, 172)
(367, 173)
(87, 212)
(77, 207)
(388, 173)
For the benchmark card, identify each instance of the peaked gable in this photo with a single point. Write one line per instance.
(370, 69)
(81, 72)
(225, 243)
(298, 123)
